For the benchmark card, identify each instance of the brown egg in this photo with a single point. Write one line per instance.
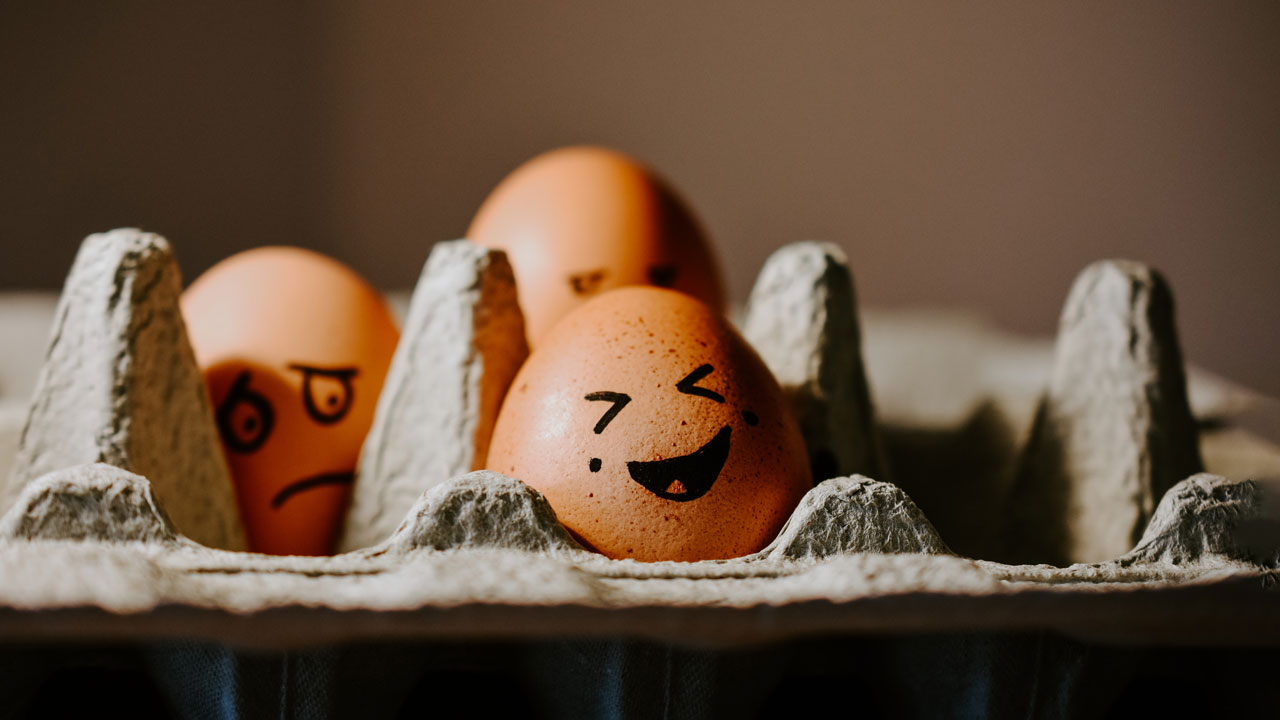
(581, 220)
(654, 431)
(294, 347)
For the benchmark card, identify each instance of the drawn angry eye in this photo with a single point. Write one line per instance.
(619, 401)
(245, 418)
(587, 283)
(663, 275)
(327, 393)
(689, 384)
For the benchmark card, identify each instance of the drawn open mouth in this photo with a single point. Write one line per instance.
(687, 477)
(315, 481)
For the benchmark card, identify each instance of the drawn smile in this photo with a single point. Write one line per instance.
(315, 481)
(687, 477)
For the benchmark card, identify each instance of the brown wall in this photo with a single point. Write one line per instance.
(975, 156)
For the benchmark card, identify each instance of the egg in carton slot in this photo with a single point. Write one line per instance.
(1084, 513)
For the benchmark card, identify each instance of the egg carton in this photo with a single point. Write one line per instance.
(121, 542)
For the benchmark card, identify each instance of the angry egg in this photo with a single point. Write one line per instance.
(294, 347)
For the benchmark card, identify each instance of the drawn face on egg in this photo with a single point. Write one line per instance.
(685, 477)
(579, 221)
(253, 402)
(654, 431)
(294, 348)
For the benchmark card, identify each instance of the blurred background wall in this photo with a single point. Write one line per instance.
(969, 155)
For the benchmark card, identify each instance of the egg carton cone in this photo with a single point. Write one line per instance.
(888, 591)
(119, 385)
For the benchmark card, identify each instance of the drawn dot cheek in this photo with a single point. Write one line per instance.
(594, 464)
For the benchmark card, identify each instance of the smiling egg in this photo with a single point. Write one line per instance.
(578, 221)
(654, 430)
(294, 347)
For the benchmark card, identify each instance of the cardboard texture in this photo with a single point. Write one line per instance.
(118, 528)
(462, 343)
(120, 385)
(802, 318)
(1114, 431)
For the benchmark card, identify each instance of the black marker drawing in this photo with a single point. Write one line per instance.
(687, 384)
(338, 399)
(663, 275)
(687, 477)
(619, 401)
(750, 417)
(288, 491)
(251, 431)
(594, 465)
(588, 282)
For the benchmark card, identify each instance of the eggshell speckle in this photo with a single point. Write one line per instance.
(578, 221)
(654, 430)
(294, 347)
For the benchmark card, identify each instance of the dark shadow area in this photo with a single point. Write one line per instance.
(991, 675)
(1202, 683)
(470, 692)
(1157, 696)
(368, 680)
(1035, 528)
(56, 682)
(828, 677)
(959, 477)
(624, 679)
(97, 692)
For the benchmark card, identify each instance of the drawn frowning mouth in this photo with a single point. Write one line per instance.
(687, 477)
(308, 483)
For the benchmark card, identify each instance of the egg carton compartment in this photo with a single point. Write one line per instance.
(890, 578)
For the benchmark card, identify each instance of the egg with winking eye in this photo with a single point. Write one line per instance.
(654, 431)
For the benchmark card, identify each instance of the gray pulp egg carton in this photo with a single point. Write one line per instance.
(121, 554)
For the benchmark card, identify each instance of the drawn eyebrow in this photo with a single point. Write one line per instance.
(333, 372)
(586, 283)
(663, 275)
(619, 401)
(326, 416)
(687, 385)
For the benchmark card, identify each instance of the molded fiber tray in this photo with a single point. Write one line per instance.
(121, 565)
